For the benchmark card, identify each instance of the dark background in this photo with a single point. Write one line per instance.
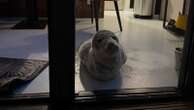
(16, 8)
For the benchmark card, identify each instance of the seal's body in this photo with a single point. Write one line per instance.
(102, 56)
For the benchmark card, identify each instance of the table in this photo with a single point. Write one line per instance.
(96, 5)
(165, 14)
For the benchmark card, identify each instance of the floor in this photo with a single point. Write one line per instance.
(28, 44)
(149, 49)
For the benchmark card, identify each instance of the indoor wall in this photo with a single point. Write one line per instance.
(174, 7)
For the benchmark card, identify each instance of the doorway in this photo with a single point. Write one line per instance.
(150, 49)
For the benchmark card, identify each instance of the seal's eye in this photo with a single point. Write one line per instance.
(99, 40)
(115, 38)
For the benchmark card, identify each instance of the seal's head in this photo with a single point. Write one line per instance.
(105, 42)
(102, 56)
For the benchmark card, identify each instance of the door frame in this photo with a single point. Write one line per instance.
(61, 61)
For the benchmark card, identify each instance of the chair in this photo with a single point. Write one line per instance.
(95, 11)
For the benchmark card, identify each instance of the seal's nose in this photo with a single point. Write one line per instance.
(112, 46)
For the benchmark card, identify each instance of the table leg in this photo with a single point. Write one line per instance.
(165, 13)
(92, 10)
(118, 15)
(96, 13)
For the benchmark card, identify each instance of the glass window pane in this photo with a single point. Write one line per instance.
(153, 53)
(24, 48)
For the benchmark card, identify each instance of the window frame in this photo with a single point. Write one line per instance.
(62, 37)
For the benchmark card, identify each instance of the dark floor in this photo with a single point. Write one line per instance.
(174, 105)
(24, 107)
(179, 105)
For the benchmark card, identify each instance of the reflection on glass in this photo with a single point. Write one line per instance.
(23, 58)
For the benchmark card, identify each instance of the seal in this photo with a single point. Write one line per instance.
(102, 56)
